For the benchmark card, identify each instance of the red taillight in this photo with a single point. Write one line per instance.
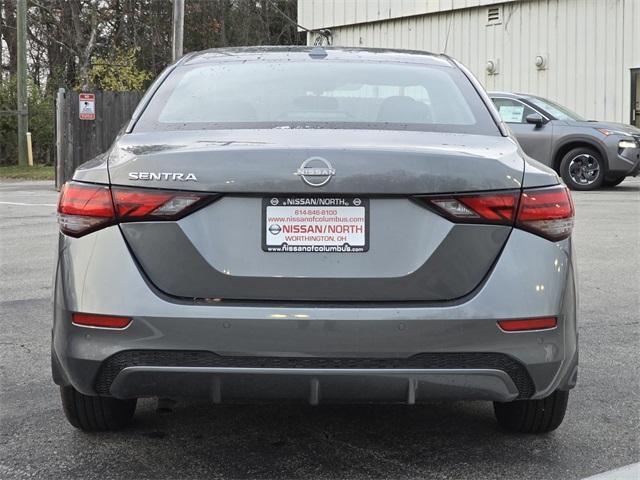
(136, 204)
(84, 208)
(547, 212)
(102, 321)
(521, 325)
(493, 208)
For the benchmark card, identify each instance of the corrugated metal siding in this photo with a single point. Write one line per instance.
(314, 14)
(590, 46)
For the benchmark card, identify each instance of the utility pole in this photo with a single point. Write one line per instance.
(178, 28)
(23, 106)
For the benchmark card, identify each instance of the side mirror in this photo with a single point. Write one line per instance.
(536, 119)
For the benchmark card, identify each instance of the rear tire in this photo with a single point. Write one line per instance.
(94, 414)
(613, 182)
(533, 416)
(582, 169)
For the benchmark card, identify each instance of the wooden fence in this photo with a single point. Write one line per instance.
(80, 140)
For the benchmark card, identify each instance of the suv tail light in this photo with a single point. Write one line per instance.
(547, 212)
(84, 207)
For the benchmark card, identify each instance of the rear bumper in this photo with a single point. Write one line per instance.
(387, 353)
(420, 377)
(314, 386)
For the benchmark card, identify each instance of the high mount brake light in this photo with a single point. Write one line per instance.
(84, 207)
(547, 212)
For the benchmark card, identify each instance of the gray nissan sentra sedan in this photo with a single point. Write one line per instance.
(316, 225)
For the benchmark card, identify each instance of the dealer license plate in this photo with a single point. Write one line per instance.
(315, 224)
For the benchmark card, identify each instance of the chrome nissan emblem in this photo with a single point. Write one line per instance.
(316, 171)
(275, 229)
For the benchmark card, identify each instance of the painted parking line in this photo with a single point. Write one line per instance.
(30, 204)
(630, 472)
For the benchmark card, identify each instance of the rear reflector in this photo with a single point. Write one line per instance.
(84, 207)
(521, 325)
(547, 212)
(102, 321)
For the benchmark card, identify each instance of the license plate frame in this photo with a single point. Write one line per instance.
(319, 229)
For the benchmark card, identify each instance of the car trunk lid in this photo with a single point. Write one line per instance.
(412, 253)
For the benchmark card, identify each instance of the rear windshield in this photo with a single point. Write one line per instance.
(317, 94)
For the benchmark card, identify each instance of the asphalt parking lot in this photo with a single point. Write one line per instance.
(439, 440)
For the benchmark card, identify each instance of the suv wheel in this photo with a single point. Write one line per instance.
(533, 416)
(93, 414)
(582, 169)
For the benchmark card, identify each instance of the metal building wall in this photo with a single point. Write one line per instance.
(314, 14)
(590, 46)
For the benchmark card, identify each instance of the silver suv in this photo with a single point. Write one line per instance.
(321, 225)
(587, 154)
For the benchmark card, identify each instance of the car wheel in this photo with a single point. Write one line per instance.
(582, 169)
(93, 414)
(533, 416)
(613, 182)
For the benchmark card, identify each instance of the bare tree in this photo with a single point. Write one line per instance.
(66, 35)
(8, 34)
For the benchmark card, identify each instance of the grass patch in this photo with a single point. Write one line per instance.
(37, 172)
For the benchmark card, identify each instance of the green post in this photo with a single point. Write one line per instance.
(23, 106)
